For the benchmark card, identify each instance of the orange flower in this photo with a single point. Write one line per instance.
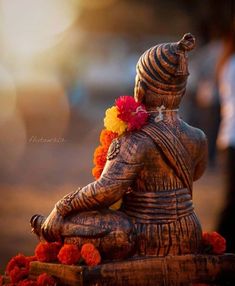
(45, 279)
(100, 156)
(215, 242)
(106, 137)
(69, 254)
(47, 252)
(90, 254)
(96, 172)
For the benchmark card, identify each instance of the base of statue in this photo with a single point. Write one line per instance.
(151, 271)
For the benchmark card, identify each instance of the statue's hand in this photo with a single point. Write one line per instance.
(51, 228)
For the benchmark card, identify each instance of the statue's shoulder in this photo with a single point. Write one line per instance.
(133, 145)
(194, 132)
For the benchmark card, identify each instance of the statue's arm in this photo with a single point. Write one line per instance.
(119, 173)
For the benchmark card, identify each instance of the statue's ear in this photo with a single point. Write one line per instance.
(140, 91)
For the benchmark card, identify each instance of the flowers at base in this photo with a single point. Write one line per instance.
(213, 243)
(45, 279)
(47, 252)
(69, 254)
(18, 268)
(28, 282)
(90, 254)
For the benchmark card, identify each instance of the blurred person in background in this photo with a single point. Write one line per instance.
(226, 136)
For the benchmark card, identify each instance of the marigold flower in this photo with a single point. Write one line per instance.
(19, 260)
(131, 112)
(106, 137)
(96, 172)
(215, 241)
(90, 254)
(28, 282)
(100, 156)
(47, 252)
(112, 122)
(17, 274)
(45, 279)
(69, 254)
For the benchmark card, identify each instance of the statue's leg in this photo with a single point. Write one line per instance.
(112, 232)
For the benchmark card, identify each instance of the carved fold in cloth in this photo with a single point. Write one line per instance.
(174, 151)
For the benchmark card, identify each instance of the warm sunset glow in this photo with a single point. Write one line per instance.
(30, 26)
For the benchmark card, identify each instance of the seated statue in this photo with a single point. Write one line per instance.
(151, 169)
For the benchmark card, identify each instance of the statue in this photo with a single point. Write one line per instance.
(151, 169)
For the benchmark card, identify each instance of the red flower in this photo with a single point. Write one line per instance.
(45, 279)
(90, 254)
(215, 241)
(18, 268)
(17, 274)
(1, 280)
(106, 137)
(69, 254)
(28, 282)
(47, 252)
(19, 260)
(131, 112)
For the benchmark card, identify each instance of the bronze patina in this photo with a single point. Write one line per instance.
(151, 169)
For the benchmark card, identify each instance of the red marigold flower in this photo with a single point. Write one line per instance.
(90, 254)
(17, 274)
(216, 241)
(69, 254)
(45, 279)
(131, 112)
(47, 252)
(106, 137)
(19, 260)
(28, 282)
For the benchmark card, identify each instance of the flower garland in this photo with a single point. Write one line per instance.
(127, 115)
(17, 269)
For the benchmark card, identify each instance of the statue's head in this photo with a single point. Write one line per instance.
(162, 72)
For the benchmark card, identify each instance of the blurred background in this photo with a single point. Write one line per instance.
(62, 63)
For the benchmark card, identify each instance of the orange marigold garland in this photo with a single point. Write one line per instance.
(90, 254)
(213, 243)
(47, 252)
(69, 254)
(126, 115)
(106, 137)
